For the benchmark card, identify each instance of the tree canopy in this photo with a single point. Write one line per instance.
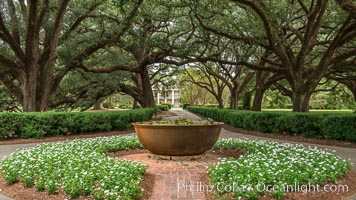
(71, 54)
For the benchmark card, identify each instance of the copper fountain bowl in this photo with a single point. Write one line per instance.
(178, 140)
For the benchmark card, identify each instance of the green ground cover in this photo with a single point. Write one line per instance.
(272, 167)
(79, 167)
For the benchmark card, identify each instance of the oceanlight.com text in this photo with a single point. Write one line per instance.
(260, 187)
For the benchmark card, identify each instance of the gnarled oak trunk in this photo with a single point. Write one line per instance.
(257, 100)
(147, 98)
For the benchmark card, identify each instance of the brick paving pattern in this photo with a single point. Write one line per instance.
(176, 179)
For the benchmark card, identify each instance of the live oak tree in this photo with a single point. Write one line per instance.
(263, 81)
(350, 83)
(349, 6)
(269, 69)
(236, 77)
(41, 41)
(205, 77)
(7, 101)
(194, 95)
(347, 78)
(228, 58)
(309, 38)
(160, 31)
(80, 90)
(205, 68)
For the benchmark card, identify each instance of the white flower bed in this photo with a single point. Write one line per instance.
(79, 167)
(274, 164)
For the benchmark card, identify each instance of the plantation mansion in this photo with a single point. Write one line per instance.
(170, 95)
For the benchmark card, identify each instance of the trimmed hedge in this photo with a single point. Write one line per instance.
(168, 104)
(211, 105)
(162, 107)
(37, 125)
(185, 106)
(315, 125)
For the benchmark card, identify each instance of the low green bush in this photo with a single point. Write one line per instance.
(289, 106)
(124, 106)
(37, 125)
(185, 106)
(108, 104)
(168, 104)
(211, 105)
(312, 125)
(162, 107)
(342, 127)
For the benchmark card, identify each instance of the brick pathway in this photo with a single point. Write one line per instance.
(177, 180)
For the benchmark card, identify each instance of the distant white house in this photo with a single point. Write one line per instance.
(167, 96)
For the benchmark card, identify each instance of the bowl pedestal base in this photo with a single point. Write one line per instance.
(177, 158)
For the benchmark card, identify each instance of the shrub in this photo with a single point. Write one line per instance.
(314, 125)
(185, 106)
(162, 107)
(37, 125)
(211, 105)
(264, 122)
(168, 104)
(124, 106)
(305, 124)
(289, 106)
(108, 104)
(341, 127)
